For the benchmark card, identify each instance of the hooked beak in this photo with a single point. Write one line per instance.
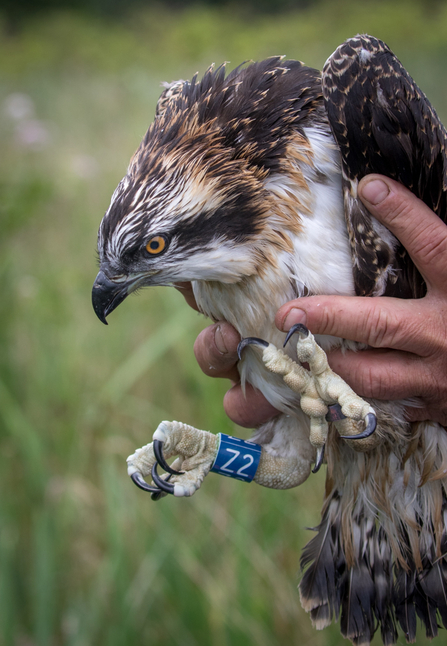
(108, 294)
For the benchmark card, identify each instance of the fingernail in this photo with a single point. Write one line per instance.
(219, 340)
(374, 191)
(294, 316)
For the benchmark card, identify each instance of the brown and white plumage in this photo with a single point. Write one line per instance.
(384, 124)
(246, 186)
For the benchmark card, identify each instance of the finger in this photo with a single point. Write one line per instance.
(426, 412)
(389, 375)
(186, 290)
(422, 232)
(386, 374)
(379, 322)
(249, 410)
(216, 351)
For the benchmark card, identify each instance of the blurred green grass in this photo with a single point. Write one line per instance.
(86, 558)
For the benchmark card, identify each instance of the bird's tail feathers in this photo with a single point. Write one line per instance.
(379, 557)
(359, 594)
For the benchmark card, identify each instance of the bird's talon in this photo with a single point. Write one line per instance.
(319, 459)
(158, 452)
(161, 484)
(371, 424)
(138, 479)
(159, 494)
(250, 340)
(298, 327)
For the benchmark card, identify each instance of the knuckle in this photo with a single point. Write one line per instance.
(368, 383)
(385, 328)
(346, 318)
(433, 380)
(430, 248)
(328, 321)
(426, 332)
(373, 382)
(397, 207)
(402, 327)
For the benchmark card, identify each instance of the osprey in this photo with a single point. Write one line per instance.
(246, 185)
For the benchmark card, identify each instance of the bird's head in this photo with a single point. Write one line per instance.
(193, 205)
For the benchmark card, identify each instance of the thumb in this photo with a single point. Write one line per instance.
(422, 232)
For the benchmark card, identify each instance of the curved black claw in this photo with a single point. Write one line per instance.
(159, 494)
(299, 327)
(250, 340)
(319, 460)
(161, 484)
(371, 424)
(158, 452)
(137, 479)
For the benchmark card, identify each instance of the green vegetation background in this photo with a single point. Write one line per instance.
(85, 557)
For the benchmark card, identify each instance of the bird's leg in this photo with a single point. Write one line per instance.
(199, 452)
(324, 395)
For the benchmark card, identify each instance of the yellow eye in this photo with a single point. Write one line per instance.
(156, 245)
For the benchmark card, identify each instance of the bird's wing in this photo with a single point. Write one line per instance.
(383, 123)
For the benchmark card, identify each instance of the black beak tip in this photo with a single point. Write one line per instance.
(107, 295)
(98, 305)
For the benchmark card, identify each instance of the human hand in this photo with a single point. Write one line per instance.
(409, 337)
(216, 353)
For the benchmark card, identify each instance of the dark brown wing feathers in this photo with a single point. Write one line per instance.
(384, 124)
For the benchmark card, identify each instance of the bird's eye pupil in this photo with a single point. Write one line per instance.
(157, 244)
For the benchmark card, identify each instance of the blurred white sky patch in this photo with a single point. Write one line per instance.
(84, 166)
(32, 133)
(29, 132)
(18, 106)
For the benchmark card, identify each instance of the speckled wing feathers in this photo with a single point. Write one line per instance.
(383, 123)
